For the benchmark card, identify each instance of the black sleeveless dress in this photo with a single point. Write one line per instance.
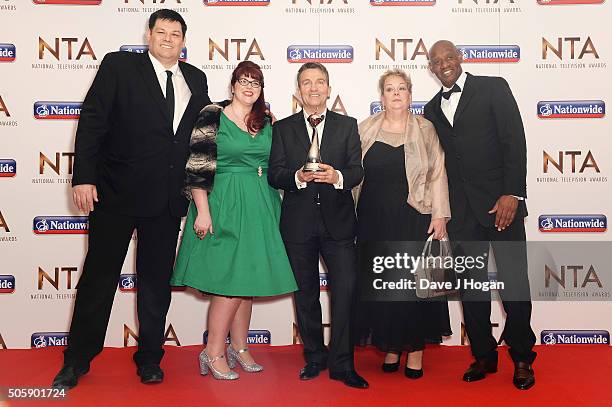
(384, 215)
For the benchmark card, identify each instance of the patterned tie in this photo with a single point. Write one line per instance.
(452, 90)
(314, 121)
(170, 95)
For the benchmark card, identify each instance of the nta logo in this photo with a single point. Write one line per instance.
(58, 45)
(573, 43)
(226, 50)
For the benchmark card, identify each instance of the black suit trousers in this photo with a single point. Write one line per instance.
(109, 238)
(340, 258)
(510, 252)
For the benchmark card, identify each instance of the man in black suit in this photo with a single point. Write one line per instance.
(481, 131)
(318, 217)
(131, 148)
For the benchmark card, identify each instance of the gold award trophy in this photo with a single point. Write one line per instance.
(314, 154)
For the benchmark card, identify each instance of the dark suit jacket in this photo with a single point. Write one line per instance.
(125, 143)
(486, 154)
(340, 148)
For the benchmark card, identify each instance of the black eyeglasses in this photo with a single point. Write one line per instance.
(245, 82)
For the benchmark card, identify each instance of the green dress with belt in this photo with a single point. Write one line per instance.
(245, 256)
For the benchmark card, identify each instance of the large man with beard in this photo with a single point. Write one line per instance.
(131, 147)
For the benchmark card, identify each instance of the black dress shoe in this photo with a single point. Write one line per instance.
(392, 367)
(68, 376)
(479, 369)
(311, 370)
(150, 374)
(350, 378)
(413, 373)
(524, 377)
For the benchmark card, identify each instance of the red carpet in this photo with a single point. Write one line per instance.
(565, 375)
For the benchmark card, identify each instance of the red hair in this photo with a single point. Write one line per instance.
(256, 120)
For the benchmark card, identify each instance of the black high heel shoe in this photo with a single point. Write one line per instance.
(392, 367)
(413, 373)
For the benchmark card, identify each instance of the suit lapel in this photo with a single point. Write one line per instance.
(299, 126)
(438, 110)
(148, 75)
(329, 130)
(466, 95)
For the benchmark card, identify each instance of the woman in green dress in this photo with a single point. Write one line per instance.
(231, 246)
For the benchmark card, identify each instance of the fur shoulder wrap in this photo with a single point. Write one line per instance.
(202, 161)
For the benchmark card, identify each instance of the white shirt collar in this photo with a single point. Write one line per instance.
(460, 82)
(306, 115)
(159, 68)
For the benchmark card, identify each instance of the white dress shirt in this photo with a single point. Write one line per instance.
(449, 107)
(310, 131)
(182, 94)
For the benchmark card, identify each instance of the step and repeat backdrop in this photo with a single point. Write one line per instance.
(556, 55)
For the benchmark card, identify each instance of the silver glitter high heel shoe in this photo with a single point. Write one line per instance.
(233, 356)
(206, 365)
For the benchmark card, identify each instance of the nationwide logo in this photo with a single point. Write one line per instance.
(127, 282)
(141, 49)
(236, 2)
(44, 339)
(571, 109)
(572, 223)
(8, 167)
(57, 110)
(417, 108)
(556, 2)
(60, 225)
(7, 284)
(323, 53)
(402, 2)
(8, 52)
(490, 53)
(70, 2)
(323, 283)
(254, 337)
(577, 337)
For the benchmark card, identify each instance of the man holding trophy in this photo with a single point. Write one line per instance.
(316, 159)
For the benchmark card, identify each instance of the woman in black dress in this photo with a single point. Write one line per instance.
(403, 197)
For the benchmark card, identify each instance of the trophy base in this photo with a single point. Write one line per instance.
(312, 167)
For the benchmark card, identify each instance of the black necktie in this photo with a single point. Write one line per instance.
(170, 95)
(452, 90)
(314, 121)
